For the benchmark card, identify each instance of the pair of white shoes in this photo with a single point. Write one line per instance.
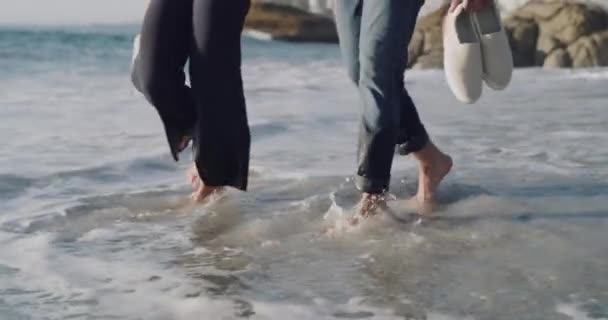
(476, 50)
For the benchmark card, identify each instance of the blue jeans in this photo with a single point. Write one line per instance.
(374, 37)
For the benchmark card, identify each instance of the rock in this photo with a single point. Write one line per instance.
(282, 22)
(559, 58)
(544, 47)
(426, 48)
(415, 48)
(433, 41)
(314, 6)
(549, 33)
(538, 10)
(590, 51)
(573, 21)
(523, 36)
(432, 20)
(431, 60)
(540, 31)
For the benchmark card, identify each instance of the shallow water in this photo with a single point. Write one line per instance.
(94, 221)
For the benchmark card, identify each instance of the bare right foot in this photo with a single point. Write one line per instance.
(368, 207)
(434, 165)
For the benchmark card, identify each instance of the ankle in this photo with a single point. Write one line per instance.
(428, 155)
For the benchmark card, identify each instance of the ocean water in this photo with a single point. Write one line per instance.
(95, 221)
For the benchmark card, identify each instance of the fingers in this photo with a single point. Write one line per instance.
(474, 5)
(477, 5)
(453, 5)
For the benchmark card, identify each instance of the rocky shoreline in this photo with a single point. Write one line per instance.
(271, 21)
(542, 33)
(559, 34)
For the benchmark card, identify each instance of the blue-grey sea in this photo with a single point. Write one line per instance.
(95, 221)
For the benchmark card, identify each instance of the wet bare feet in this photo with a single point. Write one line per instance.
(204, 193)
(201, 192)
(368, 207)
(434, 165)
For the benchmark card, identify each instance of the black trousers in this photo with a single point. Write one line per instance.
(212, 111)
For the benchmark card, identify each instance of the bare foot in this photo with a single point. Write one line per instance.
(368, 207)
(204, 193)
(192, 173)
(201, 191)
(433, 167)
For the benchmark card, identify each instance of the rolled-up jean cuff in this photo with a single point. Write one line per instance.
(413, 144)
(372, 185)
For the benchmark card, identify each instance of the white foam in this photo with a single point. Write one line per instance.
(595, 74)
(258, 35)
(98, 234)
(166, 306)
(574, 312)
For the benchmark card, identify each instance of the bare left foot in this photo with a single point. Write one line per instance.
(201, 191)
(193, 177)
(430, 176)
(204, 193)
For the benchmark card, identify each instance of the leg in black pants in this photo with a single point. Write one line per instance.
(222, 138)
(212, 112)
(158, 71)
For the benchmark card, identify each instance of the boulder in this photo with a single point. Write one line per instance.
(548, 33)
(426, 47)
(544, 33)
(590, 51)
(523, 36)
(431, 60)
(544, 47)
(415, 48)
(538, 10)
(282, 22)
(573, 21)
(559, 58)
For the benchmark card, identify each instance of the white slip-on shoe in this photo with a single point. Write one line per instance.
(462, 55)
(495, 49)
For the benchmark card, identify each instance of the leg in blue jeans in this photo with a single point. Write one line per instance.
(374, 36)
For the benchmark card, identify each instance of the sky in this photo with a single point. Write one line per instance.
(109, 11)
(70, 11)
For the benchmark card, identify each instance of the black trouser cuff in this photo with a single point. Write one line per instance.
(413, 144)
(372, 185)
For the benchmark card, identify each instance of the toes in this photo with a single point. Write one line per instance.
(195, 180)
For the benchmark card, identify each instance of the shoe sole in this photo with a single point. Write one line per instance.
(462, 56)
(495, 49)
